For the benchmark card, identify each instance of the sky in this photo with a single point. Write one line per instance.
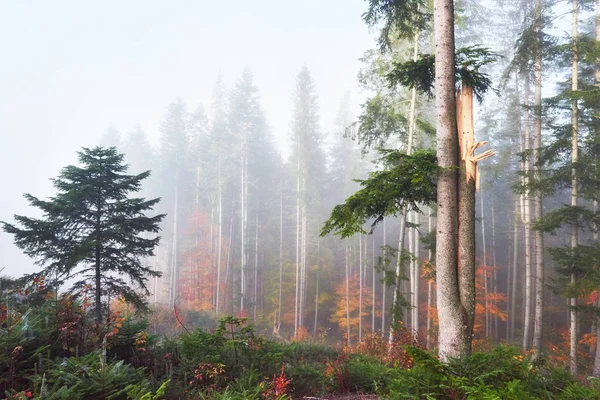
(71, 68)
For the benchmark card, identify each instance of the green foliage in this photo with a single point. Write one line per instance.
(89, 378)
(420, 74)
(308, 378)
(401, 18)
(367, 374)
(407, 182)
(90, 231)
(502, 373)
(139, 392)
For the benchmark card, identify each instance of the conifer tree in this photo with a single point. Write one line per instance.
(91, 230)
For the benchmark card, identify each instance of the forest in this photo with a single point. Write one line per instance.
(441, 243)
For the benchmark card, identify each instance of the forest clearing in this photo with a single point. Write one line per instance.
(432, 232)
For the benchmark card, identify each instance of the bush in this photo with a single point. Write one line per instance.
(367, 374)
(307, 379)
(89, 378)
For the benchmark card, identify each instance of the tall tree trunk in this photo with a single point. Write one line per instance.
(98, 288)
(360, 287)
(596, 369)
(454, 336)
(173, 272)
(526, 218)
(280, 252)
(296, 301)
(429, 285)
(398, 287)
(244, 222)
(513, 286)
(219, 236)
(255, 295)
(383, 285)
(348, 292)
(228, 277)
(539, 236)
(484, 264)
(403, 216)
(495, 271)
(574, 159)
(317, 287)
(373, 279)
(416, 275)
(303, 267)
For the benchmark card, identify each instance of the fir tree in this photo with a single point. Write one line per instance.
(91, 230)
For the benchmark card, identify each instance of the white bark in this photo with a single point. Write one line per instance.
(574, 159)
(596, 369)
(526, 218)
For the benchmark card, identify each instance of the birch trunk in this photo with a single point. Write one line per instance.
(360, 287)
(317, 288)
(383, 286)
(219, 236)
(373, 279)
(403, 216)
(574, 159)
(297, 251)
(484, 263)
(513, 286)
(348, 293)
(596, 369)
(526, 217)
(278, 326)
(539, 236)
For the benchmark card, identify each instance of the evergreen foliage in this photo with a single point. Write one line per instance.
(408, 181)
(91, 231)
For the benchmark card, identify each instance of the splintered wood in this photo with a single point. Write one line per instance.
(466, 135)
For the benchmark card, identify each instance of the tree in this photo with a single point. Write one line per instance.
(454, 340)
(91, 230)
(175, 178)
(308, 163)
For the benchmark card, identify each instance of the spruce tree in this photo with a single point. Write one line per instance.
(91, 230)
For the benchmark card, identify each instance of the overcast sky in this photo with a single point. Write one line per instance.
(70, 68)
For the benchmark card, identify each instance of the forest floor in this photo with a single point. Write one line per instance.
(349, 396)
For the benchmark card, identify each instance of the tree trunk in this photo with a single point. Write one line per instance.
(495, 271)
(255, 295)
(429, 286)
(513, 286)
(539, 237)
(373, 279)
(296, 301)
(383, 286)
(454, 340)
(220, 236)
(244, 221)
(98, 288)
(280, 252)
(347, 293)
(574, 159)
(526, 218)
(317, 287)
(596, 369)
(398, 288)
(403, 216)
(360, 287)
(416, 275)
(484, 264)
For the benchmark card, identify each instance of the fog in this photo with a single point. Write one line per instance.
(71, 68)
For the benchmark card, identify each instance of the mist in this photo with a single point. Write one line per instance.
(71, 69)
